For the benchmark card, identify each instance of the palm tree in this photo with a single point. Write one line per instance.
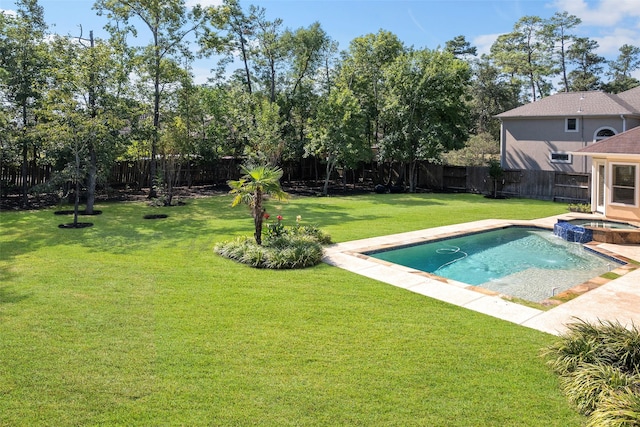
(251, 189)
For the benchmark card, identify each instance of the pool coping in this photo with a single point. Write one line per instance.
(349, 256)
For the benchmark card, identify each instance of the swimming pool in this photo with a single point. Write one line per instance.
(525, 262)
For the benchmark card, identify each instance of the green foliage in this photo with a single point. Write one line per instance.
(425, 111)
(336, 134)
(477, 151)
(599, 366)
(282, 249)
(258, 182)
(579, 207)
(589, 65)
(617, 409)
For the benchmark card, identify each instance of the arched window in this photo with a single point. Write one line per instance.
(603, 133)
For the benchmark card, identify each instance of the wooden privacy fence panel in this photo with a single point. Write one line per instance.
(11, 176)
(136, 173)
(546, 185)
(572, 188)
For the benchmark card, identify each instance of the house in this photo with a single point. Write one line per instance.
(615, 169)
(543, 135)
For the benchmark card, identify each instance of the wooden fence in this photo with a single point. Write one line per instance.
(546, 185)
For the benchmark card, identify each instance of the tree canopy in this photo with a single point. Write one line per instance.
(274, 94)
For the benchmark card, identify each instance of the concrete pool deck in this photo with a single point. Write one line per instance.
(616, 300)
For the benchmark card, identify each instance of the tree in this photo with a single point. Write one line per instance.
(620, 70)
(362, 70)
(93, 71)
(69, 118)
(307, 50)
(525, 54)
(336, 133)
(269, 50)
(251, 189)
(460, 47)
(425, 111)
(237, 27)
(24, 65)
(496, 173)
(169, 24)
(555, 33)
(589, 65)
(492, 93)
(478, 150)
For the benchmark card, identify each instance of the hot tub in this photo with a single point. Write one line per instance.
(607, 231)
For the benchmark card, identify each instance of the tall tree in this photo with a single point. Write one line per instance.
(24, 65)
(621, 68)
(526, 55)
(492, 93)
(336, 133)
(588, 65)
(269, 50)
(556, 32)
(307, 50)
(169, 23)
(79, 118)
(425, 110)
(362, 70)
(230, 33)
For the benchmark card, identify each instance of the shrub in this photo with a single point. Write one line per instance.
(619, 409)
(295, 247)
(589, 385)
(580, 207)
(609, 343)
(599, 365)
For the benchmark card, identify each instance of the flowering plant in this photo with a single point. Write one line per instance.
(275, 229)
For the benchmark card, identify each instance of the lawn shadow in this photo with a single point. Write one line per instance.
(415, 199)
(8, 296)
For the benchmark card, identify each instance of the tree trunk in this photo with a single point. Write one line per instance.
(25, 151)
(156, 120)
(412, 176)
(77, 198)
(91, 185)
(258, 216)
(329, 169)
(93, 158)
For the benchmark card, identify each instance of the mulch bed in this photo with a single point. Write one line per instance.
(76, 225)
(71, 212)
(155, 216)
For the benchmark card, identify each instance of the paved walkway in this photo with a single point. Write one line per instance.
(617, 300)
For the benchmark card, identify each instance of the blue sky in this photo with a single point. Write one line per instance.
(421, 23)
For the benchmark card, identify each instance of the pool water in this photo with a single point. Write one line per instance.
(602, 224)
(525, 262)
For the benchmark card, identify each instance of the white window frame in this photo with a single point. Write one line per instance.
(566, 124)
(635, 188)
(595, 134)
(569, 157)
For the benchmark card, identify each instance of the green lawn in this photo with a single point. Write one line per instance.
(138, 322)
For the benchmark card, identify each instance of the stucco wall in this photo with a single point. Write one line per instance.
(528, 143)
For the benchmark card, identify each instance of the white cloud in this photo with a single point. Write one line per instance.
(603, 13)
(9, 12)
(484, 42)
(609, 44)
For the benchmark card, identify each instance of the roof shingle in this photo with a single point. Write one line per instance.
(591, 103)
(623, 143)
